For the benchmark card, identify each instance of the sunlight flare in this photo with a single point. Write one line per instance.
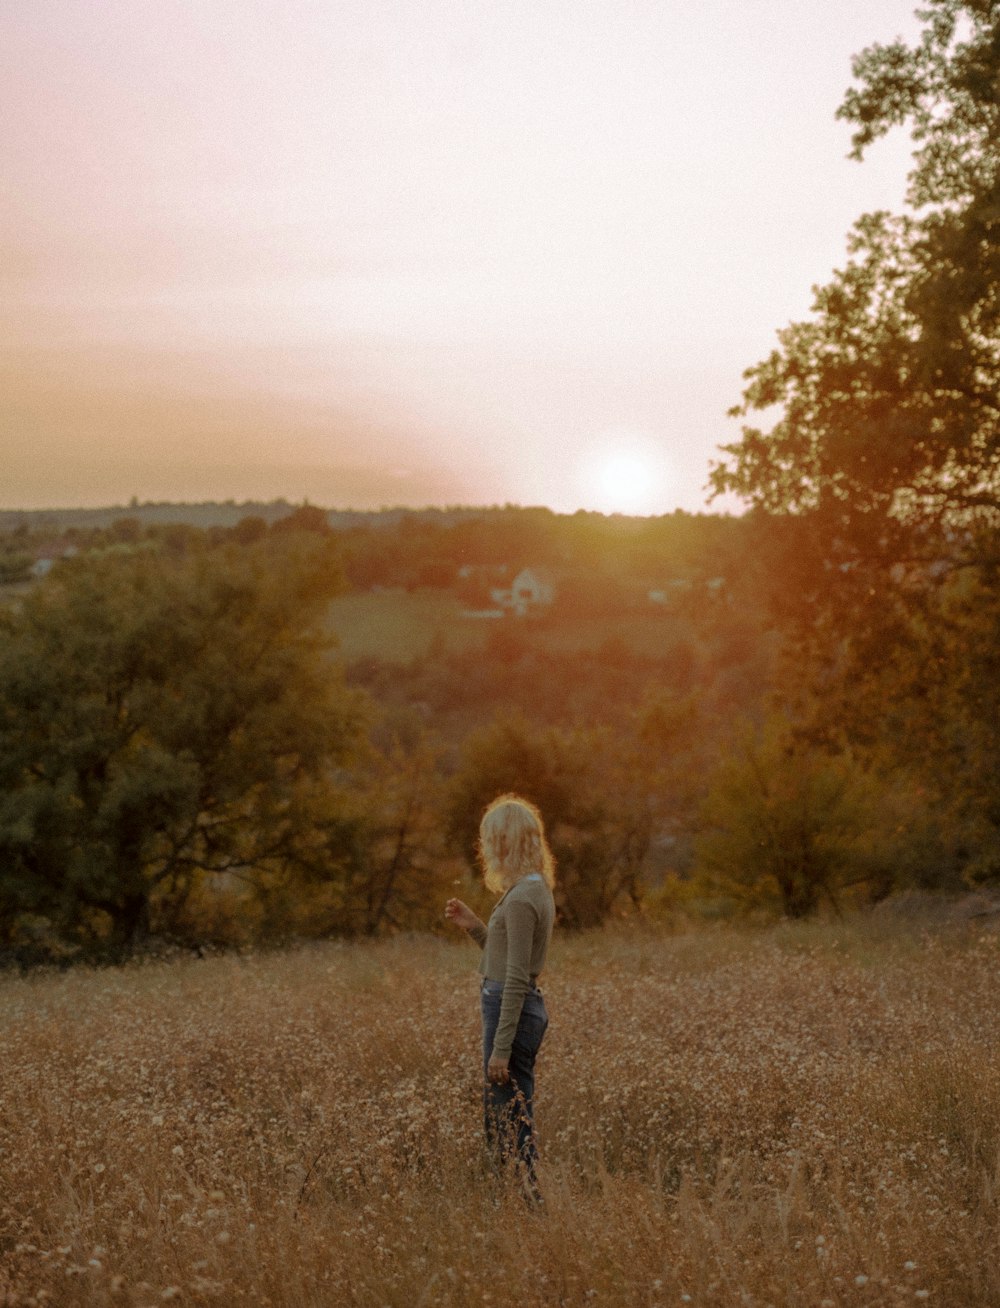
(625, 472)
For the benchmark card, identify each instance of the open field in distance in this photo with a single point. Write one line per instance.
(397, 625)
(802, 1116)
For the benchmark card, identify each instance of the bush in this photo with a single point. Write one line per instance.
(786, 828)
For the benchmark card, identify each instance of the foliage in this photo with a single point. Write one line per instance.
(14, 567)
(161, 719)
(604, 794)
(380, 856)
(784, 827)
(880, 477)
(307, 517)
(887, 442)
(889, 411)
(360, 847)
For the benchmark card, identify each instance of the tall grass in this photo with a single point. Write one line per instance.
(803, 1116)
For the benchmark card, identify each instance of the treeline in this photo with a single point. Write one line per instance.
(185, 756)
(410, 548)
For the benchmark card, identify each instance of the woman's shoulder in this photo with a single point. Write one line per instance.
(533, 888)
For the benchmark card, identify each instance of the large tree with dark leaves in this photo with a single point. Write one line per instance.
(880, 478)
(890, 393)
(163, 720)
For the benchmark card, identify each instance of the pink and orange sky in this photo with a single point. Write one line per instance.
(420, 252)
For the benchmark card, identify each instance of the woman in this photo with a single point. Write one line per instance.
(518, 865)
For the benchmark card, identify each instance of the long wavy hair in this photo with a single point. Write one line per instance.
(512, 844)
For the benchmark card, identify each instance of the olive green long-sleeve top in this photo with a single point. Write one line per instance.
(514, 944)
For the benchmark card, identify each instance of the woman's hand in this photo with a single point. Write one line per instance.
(497, 1070)
(461, 914)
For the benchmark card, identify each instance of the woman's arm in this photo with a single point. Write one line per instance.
(463, 916)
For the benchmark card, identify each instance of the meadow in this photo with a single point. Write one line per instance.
(398, 625)
(802, 1115)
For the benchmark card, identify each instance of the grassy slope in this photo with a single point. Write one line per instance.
(802, 1116)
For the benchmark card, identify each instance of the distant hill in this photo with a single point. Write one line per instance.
(218, 514)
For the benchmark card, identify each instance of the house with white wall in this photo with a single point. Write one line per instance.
(531, 591)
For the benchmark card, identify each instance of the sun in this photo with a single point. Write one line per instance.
(624, 473)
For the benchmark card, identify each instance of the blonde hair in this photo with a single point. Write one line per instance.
(512, 844)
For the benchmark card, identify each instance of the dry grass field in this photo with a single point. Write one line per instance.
(799, 1116)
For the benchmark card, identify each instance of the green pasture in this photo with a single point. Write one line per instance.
(398, 625)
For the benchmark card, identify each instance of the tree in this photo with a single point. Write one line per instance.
(307, 517)
(400, 874)
(250, 530)
(163, 718)
(378, 863)
(15, 566)
(878, 485)
(889, 434)
(784, 827)
(600, 791)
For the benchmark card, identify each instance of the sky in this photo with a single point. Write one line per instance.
(411, 252)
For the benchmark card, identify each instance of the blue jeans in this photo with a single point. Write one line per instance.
(507, 1109)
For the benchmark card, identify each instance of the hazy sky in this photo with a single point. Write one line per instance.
(420, 251)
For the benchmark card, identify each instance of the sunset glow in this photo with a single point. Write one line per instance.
(626, 475)
(394, 254)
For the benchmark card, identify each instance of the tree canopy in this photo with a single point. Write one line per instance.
(161, 719)
(877, 485)
(888, 397)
